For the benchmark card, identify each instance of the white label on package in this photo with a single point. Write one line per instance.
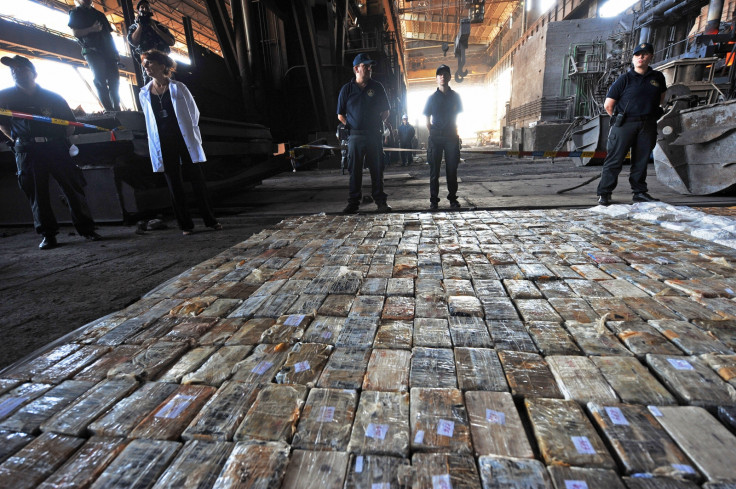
(359, 464)
(576, 485)
(441, 481)
(445, 428)
(302, 366)
(680, 364)
(294, 320)
(684, 468)
(9, 404)
(327, 335)
(326, 414)
(262, 367)
(655, 411)
(175, 407)
(419, 437)
(495, 417)
(377, 431)
(583, 446)
(616, 416)
(381, 485)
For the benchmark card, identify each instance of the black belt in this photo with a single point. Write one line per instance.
(36, 140)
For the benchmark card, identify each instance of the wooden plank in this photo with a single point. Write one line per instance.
(388, 370)
(345, 369)
(326, 420)
(81, 469)
(315, 470)
(444, 470)
(37, 460)
(632, 381)
(432, 367)
(565, 436)
(496, 425)
(381, 424)
(479, 369)
(692, 381)
(580, 380)
(639, 442)
(273, 415)
(510, 473)
(222, 414)
(528, 375)
(197, 465)
(439, 421)
(138, 466)
(252, 466)
(704, 440)
(169, 419)
(127, 413)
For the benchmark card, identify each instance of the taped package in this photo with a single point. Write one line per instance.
(580, 380)
(86, 464)
(552, 339)
(528, 375)
(138, 466)
(254, 466)
(692, 381)
(37, 460)
(169, 419)
(432, 367)
(510, 335)
(326, 420)
(274, 414)
(584, 478)
(440, 470)
(304, 364)
(470, 332)
(596, 340)
(316, 470)
(641, 338)
(431, 332)
(376, 471)
(439, 421)
(388, 370)
(496, 426)
(479, 369)
(512, 473)
(219, 418)
(394, 335)
(345, 369)
(632, 381)
(261, 365)
(381, 424)
(127, 413)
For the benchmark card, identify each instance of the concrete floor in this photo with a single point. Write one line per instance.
(472, 264)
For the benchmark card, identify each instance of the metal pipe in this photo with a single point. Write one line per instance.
(715, 10)
(644, 34)
(656, 11)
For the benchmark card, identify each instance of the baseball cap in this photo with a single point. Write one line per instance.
(645, 46)
(404, 116)
(362, 59)
(442, 68)
(18, 61)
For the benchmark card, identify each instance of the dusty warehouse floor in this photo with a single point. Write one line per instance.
(553, 348)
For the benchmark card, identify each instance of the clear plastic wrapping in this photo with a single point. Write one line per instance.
(724, 365)
(376, 471)
(86, 464)
(37, 460)
(249, 333)
(274, 414)
(398, 308)
(326, 420)
(579, 379)
(440, 470)
(574, 309)
(584, 478)
(345, 369)
(388, 370)
(168, 420)
(432, 332)
(138, 466)
(261, 365)
(528, 375)
(470, 332)
(357, 332)
(222, 414)
(336, 305)
(432, 367)
(552, 339)
(692, 381)
(479, 369)
(512, 473)
(11, 442)
(197, 465)
(632, 381)
(71, 364)
(659, 483)
(689, 338)
(128, 412)
(439, 421)
(496, 425)
(315, 470)
(26, 371)
(394, 334)
(641, 338)
(150, 361)
(218, 367)
(595, 340)
(324, 329)
(537, 310)
(381, 424)
(304, 364)
(510, 335)
(254, 466)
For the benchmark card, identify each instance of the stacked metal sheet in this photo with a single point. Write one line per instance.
(536, 349)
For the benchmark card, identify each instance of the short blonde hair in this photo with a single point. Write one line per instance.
(161, 58)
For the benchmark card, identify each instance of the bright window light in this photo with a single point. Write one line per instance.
(474, 117)
(614, 7)
(545, 5)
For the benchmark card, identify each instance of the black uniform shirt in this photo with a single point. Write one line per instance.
(149, 38)
(101, 41)
(43, 103)
(362, 107)
(443, 108)
(638, 95)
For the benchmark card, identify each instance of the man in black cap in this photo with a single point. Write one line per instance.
(42, 149)
(363, 106)
(406, 137)
(634, 104)
(441, 111)
(146, 34)
(92, 30)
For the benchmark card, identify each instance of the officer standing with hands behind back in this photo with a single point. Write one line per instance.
(146, 34)
(634, 104)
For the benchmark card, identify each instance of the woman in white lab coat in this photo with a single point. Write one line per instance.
(174, 140)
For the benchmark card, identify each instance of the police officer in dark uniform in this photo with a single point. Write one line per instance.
(92, 30)
(634, 104)
(145, 34)
(441, 111)
(363, 106)
(406, 137)
(42, 149)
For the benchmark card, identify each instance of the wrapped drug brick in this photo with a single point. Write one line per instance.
(496, 426)
(565, 436)
(579, 379)
(357, 332)
(510, 473)
(632, 381)
(249, 332)
(316, 470)
(326, 420)
(37, 460)
(254, 465)
(692, 381)
(27, 370)
(388, 370)
(261, 365)
(169, 419)
(128, 412)
(646, 307)
(150, 361)
(381, 424)
(197, 465)
(439, 421)
(374, 471)
(394, 334)
(552, 339)
(528, 375)
(596, 340)
(641, 338)
(704, 440)
(658, 483)
(304, 364)
(324, 329)
(431, 332)
(274, 414)
(138, 466)
(432, 367)
(510, 335)
(724, 330)
(444, 470)
(689, 338)
(11, 442)
(71, 364)
(222, 414)
(20, 396)
(479, 369)
(87, 463)
(469, 332)
(189, 362)
(584, 478)
(723, 365)
(218, 367)
(639, 442)
(345, 369)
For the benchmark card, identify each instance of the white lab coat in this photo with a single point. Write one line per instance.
(187, 115)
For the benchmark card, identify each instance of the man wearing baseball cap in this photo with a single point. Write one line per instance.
(441, 111)
(406, 137)
(363, 106)
(42, 149)
(634, 104)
